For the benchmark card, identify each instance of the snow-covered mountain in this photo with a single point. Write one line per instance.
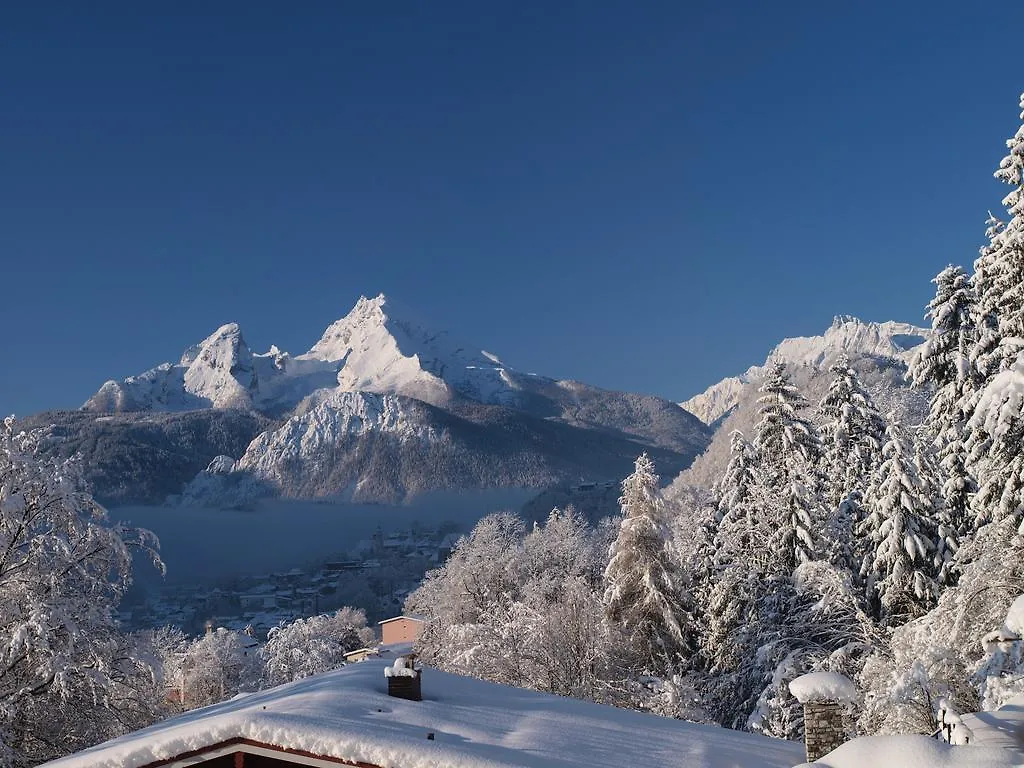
(379, 347)
(374, 348)
(381, 408)
(220, 372)
(217, 373)
(382, 447)
(847, 335)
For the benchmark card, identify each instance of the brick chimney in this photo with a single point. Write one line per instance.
(827, 698)
(404, 678)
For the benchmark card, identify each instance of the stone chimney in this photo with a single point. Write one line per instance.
(827, 698)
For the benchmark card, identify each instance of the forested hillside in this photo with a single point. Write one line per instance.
(875, 531)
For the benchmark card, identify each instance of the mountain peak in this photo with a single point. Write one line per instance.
(226, 340)
(383, 347)
(840, 320)
(367, 307)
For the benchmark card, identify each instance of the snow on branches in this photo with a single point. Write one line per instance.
(67, 676)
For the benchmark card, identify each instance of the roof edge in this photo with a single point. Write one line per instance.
(250, 746)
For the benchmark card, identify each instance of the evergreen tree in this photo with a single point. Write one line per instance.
(853, 432)
(899, 569)
(943, 361)
(788, 449)
(943, 520)
(1010, 249)
(642, 594)
(996, 415)
(985, 282)
(996, 446)
(998, 279)
(735, 507)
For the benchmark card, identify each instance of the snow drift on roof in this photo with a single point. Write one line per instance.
(347, 714)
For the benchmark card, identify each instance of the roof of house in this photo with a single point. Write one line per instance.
(347, 715)
(359, 651)
(420, 619)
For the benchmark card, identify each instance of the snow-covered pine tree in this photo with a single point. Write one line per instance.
(943, 359)
(1010, 244)
(642, 593)
(788, 449)
(734, 492)
(995, 415)
(998, 279)
(740, 475)
(996, 445)
(899, 569)
(852, 434)
(944, 363)
(985, 282)
(932, 482)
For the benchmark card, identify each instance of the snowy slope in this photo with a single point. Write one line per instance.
(389, 448)
(716, 401)
(220, 372)
(381, 348)
(315, 438)
(347, 714)
(847, 335)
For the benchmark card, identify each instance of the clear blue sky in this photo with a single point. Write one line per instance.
(644, 196)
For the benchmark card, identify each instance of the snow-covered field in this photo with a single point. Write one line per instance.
(208, 544)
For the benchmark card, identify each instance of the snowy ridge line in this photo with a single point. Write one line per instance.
(847, 335)
(375, 348)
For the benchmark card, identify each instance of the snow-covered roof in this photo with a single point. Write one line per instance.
(420, 619)
(347, 714)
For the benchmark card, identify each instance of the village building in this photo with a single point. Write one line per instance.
(401, 629)
(360, 654)
(346, 718)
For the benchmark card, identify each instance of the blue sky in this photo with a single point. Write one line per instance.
(643, 196)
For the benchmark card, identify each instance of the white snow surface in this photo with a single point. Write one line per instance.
(1015, 617)
(375, 347)
(347, 714)
(847, 335)
(1001, 402)
(914, 752)
(823, 686)
(382, 349)
(219, 372)
(313, 435)
(1002, 728)
(717, 400)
